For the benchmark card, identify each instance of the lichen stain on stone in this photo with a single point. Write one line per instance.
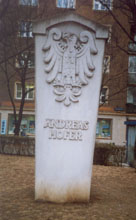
(77, 193)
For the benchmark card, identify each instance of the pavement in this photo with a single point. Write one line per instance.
(113, 194)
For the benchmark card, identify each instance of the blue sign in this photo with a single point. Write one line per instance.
(3, 126)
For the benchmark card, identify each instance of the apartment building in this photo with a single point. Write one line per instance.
(117, 112)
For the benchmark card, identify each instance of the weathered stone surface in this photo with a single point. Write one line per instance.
(69, 57)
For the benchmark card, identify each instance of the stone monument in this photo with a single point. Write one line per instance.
(69, 55)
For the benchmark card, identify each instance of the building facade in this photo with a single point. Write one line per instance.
(117, 112)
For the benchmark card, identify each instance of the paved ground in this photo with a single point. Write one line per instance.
(113, 195)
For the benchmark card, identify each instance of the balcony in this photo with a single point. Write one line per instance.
(130, 108)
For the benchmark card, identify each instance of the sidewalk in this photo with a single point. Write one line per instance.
(113, 195)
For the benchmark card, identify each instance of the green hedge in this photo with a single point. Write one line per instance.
(109, 154)
(104, 154)
(16, 145)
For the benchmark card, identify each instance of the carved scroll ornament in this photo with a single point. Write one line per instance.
(68, 63)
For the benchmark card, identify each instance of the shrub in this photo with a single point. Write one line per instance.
(109, 154)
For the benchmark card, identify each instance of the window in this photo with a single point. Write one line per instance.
(66, 3)
(132, 69)
(30, 92)
(28, 2)
(131, 95)
(106, 64)
(18, 91)
(25, 29)
(132, 29)
(99, 6)
(132, 47)
(29, 88)
(25, 59)
(132, 64)
(27, 125)
(104, 95)
(103, 129)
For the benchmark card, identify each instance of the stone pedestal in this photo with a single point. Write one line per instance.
(69, 55)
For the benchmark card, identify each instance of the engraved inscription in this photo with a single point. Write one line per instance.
(65, 135)
(66, 129)
(68, 63)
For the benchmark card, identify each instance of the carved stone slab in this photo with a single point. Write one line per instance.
(69, 57)
(68, 62)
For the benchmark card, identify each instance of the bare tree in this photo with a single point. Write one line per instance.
(123, 14)
(16, 45)
(128, 10)
(3, 8)
(17, 51)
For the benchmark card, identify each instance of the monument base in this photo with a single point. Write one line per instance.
(73, 193)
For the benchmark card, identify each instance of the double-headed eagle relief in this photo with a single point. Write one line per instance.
(68, 63)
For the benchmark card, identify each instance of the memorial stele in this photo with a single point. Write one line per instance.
(69, 52)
